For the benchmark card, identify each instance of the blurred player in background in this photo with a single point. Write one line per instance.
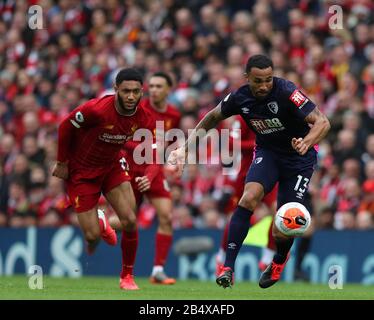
(91, 162)
(149, 180)
(288, 126)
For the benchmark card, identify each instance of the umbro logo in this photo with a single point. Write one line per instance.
(245, 110)
(231, 245)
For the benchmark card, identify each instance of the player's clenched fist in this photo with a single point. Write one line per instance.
(60, 170)
(177, 160)
(299, 145)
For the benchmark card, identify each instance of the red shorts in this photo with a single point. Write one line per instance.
(159, 187)
(84, 187)
(238, 188)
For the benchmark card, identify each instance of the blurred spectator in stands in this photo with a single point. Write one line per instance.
(211, 218)
(8, 152)
(352, 121)
(31, 150)
(182, 218)
(351, 169)
(368, 155)
(54, 211)
(345, 147)
(367, 202)
(347, 204)
(325, 218)
(364, 221)
(3, 198)
(20, 171)
(344, 220)
(19, 209)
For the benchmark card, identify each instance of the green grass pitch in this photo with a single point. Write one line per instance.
(98, 288)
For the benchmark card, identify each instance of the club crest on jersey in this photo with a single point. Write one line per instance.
(298, 99)
(273, 107)
(258, 160)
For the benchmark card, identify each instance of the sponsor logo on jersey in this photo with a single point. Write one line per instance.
(273, 107)
(298, 99)
(114, 138)
(266, 126)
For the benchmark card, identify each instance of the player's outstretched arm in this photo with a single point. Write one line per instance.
(210, 121)
(320, 128)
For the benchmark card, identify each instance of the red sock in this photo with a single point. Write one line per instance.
(129, 244)
(225, 236)
(163, 243)
(101, 223)
(271, 241)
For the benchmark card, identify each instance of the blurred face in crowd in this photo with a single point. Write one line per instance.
(158, 89)
(260, 81)
(128, 94)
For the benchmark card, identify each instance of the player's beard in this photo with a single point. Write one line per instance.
(124, 109)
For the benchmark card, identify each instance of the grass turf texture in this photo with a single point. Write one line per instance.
(97, 288)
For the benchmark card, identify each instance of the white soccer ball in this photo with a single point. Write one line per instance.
(292, 219)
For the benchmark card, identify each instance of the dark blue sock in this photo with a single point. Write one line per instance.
(283, 247)
(238, 230)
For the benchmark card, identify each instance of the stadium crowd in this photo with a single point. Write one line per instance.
(203, 45)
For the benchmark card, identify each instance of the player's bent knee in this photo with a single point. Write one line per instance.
(115, 223)
(129, 222)
(165, 219)
(92, 235)
(250, 200)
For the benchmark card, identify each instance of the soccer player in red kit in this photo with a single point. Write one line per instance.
(91, 162)
(150, 180)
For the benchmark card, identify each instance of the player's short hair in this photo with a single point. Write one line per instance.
(129, 74)
(165, 76)
(258, 61)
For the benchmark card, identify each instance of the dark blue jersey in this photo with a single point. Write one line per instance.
(275, 119)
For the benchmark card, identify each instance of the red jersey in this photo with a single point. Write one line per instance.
(248, 140)
(92, 135)
(247, 144)
(171, 116)
(236, 180)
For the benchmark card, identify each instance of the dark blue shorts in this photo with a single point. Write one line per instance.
(293, 172)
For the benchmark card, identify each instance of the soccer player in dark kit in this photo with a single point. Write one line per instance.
(288, 126)
(91, 162)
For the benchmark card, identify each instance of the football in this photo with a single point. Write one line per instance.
(292, 219)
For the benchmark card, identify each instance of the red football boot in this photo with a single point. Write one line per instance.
(108, 234)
